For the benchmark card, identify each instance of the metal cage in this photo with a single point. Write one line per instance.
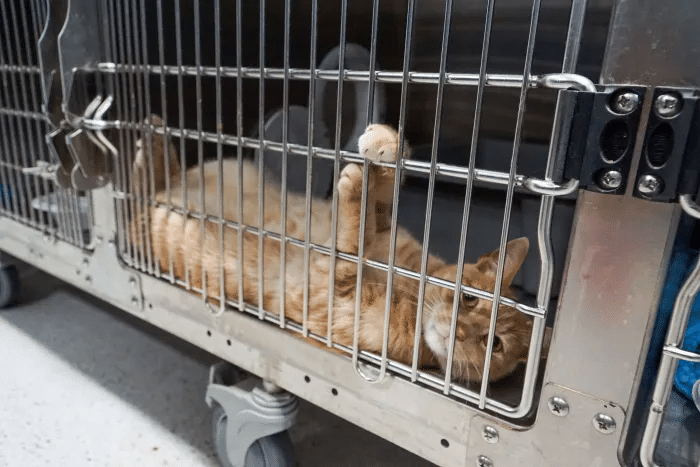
(510, 137)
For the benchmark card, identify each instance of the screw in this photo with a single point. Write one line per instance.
(483, 461)
(132, 282)
(610, 180)
(88, 279)
(490, 434)
(558, 406)
(649, 185)
(625, 102)
(667, 105)
(134, 301)
(604, 423)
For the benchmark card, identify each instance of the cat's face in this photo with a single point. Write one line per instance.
(512, 335)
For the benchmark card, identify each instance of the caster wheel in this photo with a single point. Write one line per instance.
(9, 286)
(271, 451)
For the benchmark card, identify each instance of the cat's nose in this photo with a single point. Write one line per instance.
(461, 334)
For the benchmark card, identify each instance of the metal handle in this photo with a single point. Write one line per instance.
(689, 206)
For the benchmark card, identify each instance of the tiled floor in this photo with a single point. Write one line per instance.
(84, 384)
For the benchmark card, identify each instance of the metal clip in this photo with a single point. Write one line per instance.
(44, 170)
(689, 206)
(549, 187)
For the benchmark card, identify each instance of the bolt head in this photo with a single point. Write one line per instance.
(490, 434)
(667, 105)
(649, 185)
(625, 102)
(605, 424)
(610, 180)
(483, 461)
(558, 406)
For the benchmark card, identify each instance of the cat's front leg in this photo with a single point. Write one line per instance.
(350, 209)
(380, 143)
(150, 155)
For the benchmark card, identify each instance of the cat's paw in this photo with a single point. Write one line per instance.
(379, 143)
(156, 140)
(350, 183)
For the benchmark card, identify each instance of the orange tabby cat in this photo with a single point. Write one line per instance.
(174, 237)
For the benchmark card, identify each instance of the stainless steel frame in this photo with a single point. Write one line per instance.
(575, 411)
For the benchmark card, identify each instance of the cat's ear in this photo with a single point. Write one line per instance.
(516, 251)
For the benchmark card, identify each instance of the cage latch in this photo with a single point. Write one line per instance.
(670, 162)
(602, 141)
(601, 138)
(83, 154)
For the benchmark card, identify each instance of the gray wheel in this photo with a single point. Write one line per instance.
(9, 286)
(271, 451)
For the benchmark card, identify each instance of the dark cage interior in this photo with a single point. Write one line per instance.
(182, 47)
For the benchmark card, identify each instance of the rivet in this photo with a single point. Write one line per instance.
(625, 102)
(558, 406)
(490, 434)
(649, 185)
(604, 423)
(667, 105)
(610, 180)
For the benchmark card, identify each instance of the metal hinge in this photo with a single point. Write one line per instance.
(602, 141)
(84, 156)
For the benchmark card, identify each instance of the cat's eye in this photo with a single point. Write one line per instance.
(497, 344)
(470, 300)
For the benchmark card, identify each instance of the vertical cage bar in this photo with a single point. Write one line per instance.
(431, 188)
(372, 63)
(544, 222)
(40, 125)
(124, 56)
(67, 209)
(145, 136)
(7, 169)
(336, 177)
(410, 16)
(261, 166)
(309, 179)
(219, 154)
(166, 135)
(181, 124)
(239, 149)
(200, 143)
(573, 39)
(481, 86)
(509, 199)
(15, 127)
(28, 149)
(148, 136)
(122, 165)
(285, 137)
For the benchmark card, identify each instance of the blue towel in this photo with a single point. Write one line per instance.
(683, 260)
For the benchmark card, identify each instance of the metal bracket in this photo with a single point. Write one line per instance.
(602, 136)
(602, 139)
(84, 156)
(670, 162)
(572, 428)
(252, 412)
